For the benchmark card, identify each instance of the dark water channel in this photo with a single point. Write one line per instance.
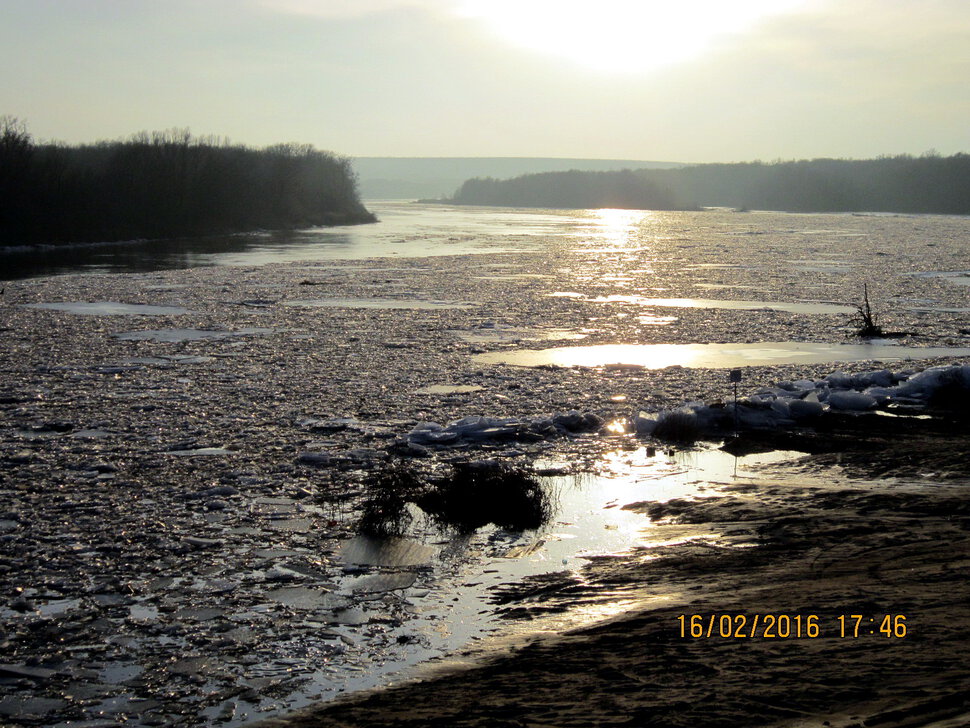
(404, 229)
(154, 255)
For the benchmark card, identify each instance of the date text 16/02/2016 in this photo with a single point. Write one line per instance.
(790, 626)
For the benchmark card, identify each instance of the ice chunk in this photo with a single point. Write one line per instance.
(882, 395)
(928, 382)
(426, 427)
(880, 378)
(469, 424)
(781, 407)
(855, 401)
(431, 432)
(644, 423)
(839, 380)
(803, 409)
(759, 417)
(543, 426)
(379, 583)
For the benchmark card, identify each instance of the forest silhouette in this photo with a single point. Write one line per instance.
(165, 184)
(903, 184)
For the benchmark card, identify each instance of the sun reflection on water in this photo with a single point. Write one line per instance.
(592, 523)
(714, 356)
(613, 231)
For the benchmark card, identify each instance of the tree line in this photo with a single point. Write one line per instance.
(573, 189)
(926, 184)
(165, 184)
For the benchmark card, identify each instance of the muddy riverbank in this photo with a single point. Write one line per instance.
(770, 589)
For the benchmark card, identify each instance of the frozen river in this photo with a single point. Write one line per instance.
(199, 417)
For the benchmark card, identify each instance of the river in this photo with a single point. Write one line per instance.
(184, 449)
(826, 243)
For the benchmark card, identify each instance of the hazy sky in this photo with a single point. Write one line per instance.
(682, 80)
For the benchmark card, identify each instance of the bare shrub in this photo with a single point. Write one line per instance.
(865, 319)
(479, 493)
(389, 490)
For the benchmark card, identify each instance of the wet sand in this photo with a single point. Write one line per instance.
(858, 546)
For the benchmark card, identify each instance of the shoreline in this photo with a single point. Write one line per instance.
(811, 553)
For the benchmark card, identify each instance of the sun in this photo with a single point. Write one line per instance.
(620, 35)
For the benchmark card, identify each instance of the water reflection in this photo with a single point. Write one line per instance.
(405, 229)
(712, 356)
(394, 551)
(786, 306)
(154, 255)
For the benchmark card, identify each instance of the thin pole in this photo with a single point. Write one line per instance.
(735, 377)
(735, 408)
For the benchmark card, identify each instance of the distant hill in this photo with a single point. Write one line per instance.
(383, 178)
(905, 184)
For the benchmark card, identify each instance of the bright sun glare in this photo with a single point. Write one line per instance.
(621, 35)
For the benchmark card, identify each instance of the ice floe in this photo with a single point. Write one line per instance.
(110, 308)
(954, 277)
(381, 303)
(476, 428)
(449, 389)
(801, 401)
(180, 335)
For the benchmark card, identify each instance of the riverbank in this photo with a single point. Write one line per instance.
(894, 551)
(164, 185)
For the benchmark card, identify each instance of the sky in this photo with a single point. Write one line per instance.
(682, 80)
